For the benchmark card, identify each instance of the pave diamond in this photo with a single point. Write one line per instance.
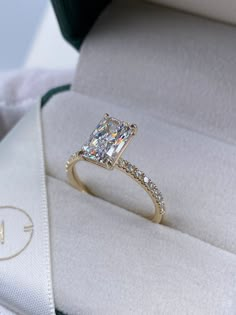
(108, 141)
(138, 173)
(139, 176)
(130, 167)
(146, 179)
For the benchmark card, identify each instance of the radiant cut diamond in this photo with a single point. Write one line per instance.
(108, 141)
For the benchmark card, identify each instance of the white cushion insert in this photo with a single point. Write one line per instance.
(109, 261)
(216, 9)
(172, 65)
(115, 262)
(196, 174)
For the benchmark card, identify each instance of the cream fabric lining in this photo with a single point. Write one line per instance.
(220, 10)
(105, 248)
(171, 65)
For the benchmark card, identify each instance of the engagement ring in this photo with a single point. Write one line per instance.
(104, 148)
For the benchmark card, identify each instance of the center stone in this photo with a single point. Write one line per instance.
(108, 141)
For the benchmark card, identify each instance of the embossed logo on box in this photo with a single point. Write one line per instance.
(16, 231)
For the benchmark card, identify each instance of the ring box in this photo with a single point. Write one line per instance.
(173, 74)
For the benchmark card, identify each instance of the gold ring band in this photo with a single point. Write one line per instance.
(104, 148)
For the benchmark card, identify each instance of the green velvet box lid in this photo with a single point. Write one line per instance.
(76, 17)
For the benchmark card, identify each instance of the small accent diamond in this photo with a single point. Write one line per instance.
(138, 173)
(150, 185)
(130, 168)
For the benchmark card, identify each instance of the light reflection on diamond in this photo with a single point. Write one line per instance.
(108, 140)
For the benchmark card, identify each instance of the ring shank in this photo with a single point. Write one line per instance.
(132, 171)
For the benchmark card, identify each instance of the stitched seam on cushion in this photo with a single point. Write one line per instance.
(44, 209)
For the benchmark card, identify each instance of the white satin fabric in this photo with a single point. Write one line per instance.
(25, 281)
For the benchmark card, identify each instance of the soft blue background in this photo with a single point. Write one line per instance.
(18, 24)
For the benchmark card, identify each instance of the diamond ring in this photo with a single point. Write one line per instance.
(104, 148)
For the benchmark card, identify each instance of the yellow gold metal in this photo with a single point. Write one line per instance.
(129, 169)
